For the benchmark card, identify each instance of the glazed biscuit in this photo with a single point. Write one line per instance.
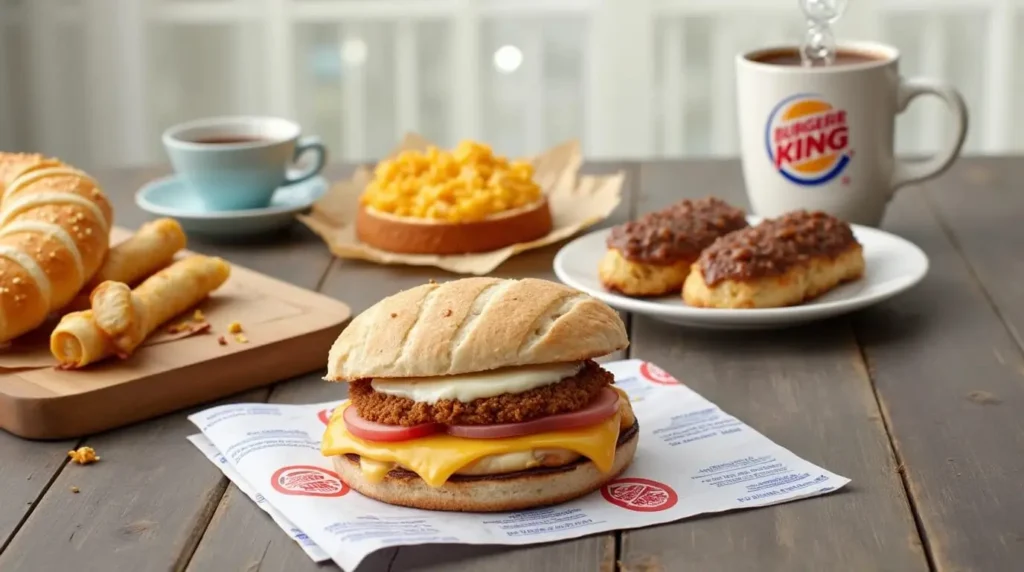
(780, 262)
(652, 256)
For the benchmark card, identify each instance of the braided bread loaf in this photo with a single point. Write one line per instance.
(54, 233)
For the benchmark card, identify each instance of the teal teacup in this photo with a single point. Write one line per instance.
(235, 163)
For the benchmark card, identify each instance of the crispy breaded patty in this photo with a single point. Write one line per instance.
(569, 394)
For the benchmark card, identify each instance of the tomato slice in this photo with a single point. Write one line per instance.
(373, 431)
(601, 408)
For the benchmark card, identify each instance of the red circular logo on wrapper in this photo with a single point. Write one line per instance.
(657, 375)
(324, 415)
(640, 495)
(307, 480)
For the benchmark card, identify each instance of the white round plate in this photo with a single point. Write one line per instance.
(893, 265)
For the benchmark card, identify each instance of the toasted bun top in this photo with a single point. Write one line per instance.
(474, 324)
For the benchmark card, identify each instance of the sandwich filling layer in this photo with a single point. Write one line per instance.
(436, 458)
(468, 387)
(544, 416)
(542, 391)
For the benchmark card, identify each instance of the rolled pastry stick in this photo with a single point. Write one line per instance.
(151, 248)
(780, 262)
(651, 256)
(121, 319)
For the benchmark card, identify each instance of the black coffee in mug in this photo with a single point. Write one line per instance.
(791, 57)
(228, 140)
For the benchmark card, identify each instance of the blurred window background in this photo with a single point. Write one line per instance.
(96, 81)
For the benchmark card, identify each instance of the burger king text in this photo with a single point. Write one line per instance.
(808, 139)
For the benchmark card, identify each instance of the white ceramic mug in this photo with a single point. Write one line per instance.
(821, 138)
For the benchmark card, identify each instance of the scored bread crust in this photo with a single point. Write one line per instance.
(474, 324)
(491, 493)
(798, 284)
(408, 235)
(54, 234)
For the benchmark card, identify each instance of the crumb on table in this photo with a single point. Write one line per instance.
(74, 490)
(234, 328)
(83, 455)
(198, 316)
(222, 340)
(240, 338)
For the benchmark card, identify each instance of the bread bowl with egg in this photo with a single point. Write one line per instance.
(480, 395)
(411, 235)
(463, 201)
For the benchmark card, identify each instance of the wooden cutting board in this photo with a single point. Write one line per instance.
(289, 331)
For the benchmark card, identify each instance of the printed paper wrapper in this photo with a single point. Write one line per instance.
(692, 458)
(577, 202)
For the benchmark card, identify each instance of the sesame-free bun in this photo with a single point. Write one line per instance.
(408, 235)
(474, 324)
(491, 493)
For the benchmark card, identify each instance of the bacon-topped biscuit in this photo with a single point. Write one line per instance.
(780, 262)
(651, 256)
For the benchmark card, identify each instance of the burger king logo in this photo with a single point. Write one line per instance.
(640, 495)
(808, 139)
(324, 415)
(657, 375)
(307, 480)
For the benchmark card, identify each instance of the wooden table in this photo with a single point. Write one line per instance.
(920, 401)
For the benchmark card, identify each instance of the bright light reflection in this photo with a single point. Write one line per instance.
(353, 52)
(507, 59)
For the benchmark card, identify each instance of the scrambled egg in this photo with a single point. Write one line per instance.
(83, 455)
(467, 184)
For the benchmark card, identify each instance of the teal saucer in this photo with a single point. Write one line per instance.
(170, 197)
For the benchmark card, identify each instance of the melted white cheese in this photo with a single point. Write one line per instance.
(469, 386)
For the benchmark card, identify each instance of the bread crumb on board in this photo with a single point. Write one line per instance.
(83, 455)
(222, 340)
(198, 316)
(74, 490)
(240, 338)
(234, 328)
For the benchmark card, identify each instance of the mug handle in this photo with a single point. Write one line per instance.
(308, 143)
(907, 172)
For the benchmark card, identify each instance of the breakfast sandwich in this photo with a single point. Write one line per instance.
(480, 394)
(780, 262)
(652, 255)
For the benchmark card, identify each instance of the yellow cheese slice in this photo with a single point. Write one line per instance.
(435, 458)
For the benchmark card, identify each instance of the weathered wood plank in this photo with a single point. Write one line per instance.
(145, 506)
(361, 285)
(980, 201)
(949, 376)
(142, 507)
(807, 390)
(26, 469)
